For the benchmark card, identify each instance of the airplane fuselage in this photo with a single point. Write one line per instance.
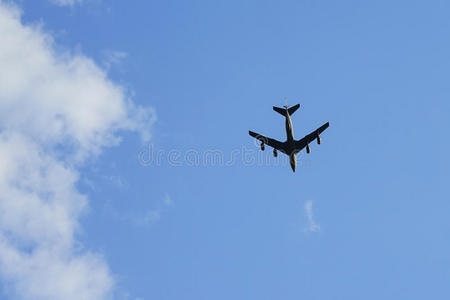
(289, 129)
(291, 142)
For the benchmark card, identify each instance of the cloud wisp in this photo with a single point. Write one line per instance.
(311, 225)
(57, 110)
(147, 218)
(111, 58)
(66, 2)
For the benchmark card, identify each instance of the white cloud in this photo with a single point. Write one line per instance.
(312, 226)
(77, 104)
(56, 111)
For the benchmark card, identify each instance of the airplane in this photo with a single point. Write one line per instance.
(291, 146)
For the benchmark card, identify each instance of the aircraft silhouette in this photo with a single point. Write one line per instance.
(291, 146)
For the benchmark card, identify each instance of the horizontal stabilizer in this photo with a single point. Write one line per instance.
(282, 111)
(292, 109)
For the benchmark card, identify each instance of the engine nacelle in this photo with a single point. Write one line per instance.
(262, 146)
(319, 140)
(308, 149)
(275, 153)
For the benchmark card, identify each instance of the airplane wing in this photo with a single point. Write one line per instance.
(268, 141)
(300, 144)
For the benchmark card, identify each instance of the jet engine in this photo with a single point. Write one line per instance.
(275, 153)
(308, 149)
(262, 146)
(319, 140)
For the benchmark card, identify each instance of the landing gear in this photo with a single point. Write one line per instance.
(308, 150)
(275, 153)
(262, 146)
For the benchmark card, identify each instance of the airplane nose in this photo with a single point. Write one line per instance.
(293, 161)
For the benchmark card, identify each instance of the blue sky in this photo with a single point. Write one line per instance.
(365, 214)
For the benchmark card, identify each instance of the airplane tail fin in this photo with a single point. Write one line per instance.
(282, 111)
